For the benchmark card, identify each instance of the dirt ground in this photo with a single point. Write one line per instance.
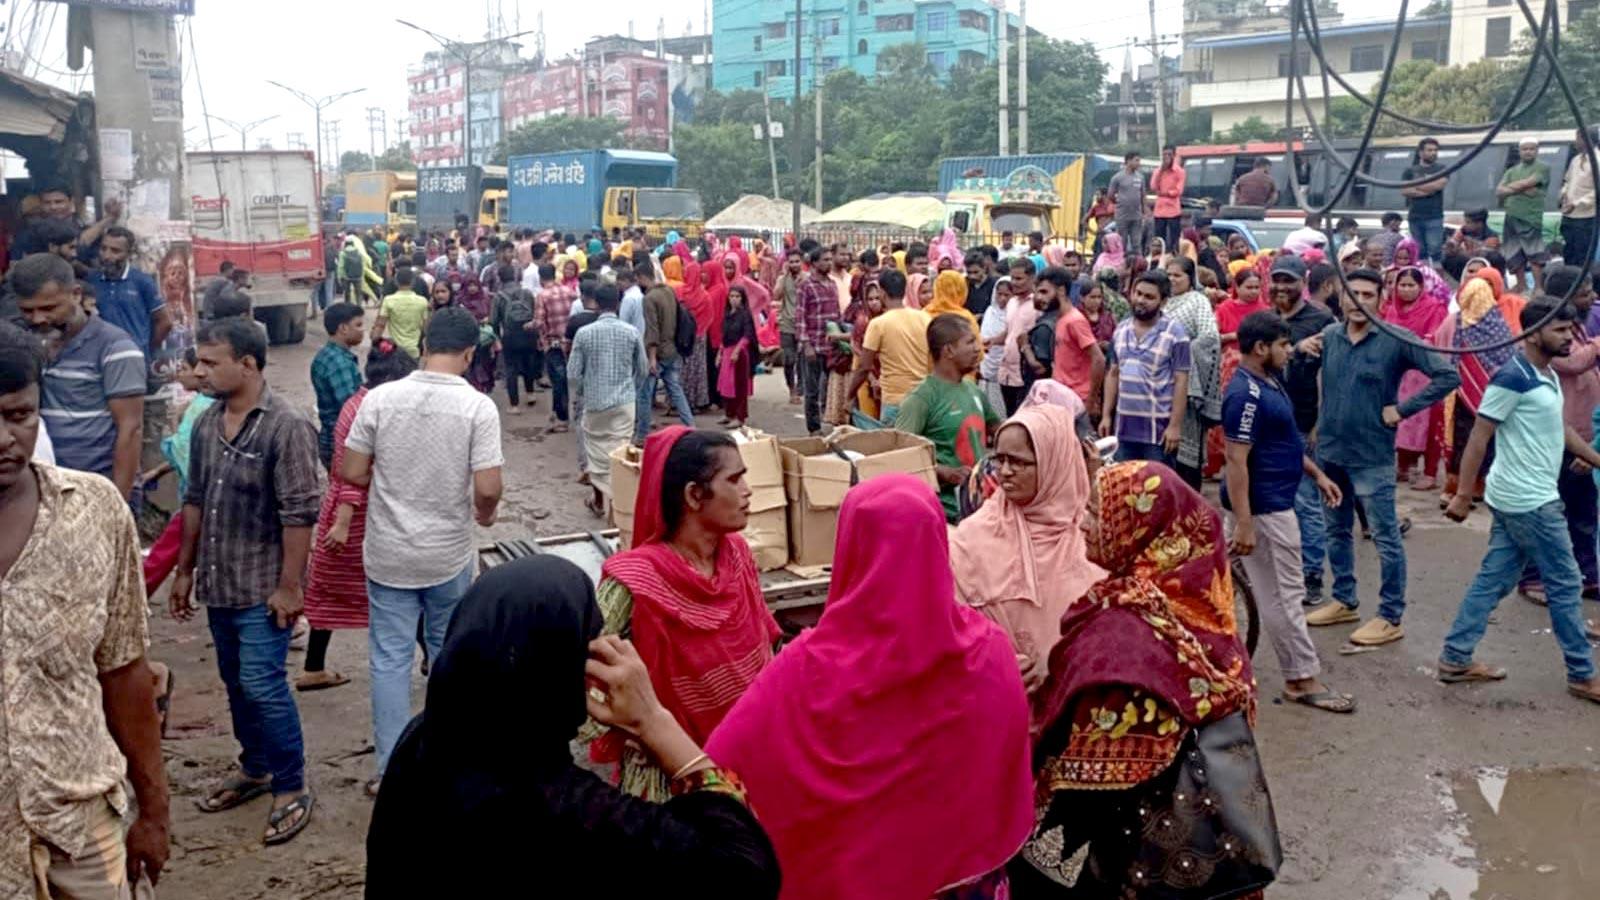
(1426, 793)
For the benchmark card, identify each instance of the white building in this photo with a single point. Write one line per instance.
(1236, 70)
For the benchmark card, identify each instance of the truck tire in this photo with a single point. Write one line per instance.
(275, 320)
(295, 331)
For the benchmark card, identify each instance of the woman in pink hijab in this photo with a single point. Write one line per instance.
(887, 748)
(757, 298)
(1033, 520)
(914, 284)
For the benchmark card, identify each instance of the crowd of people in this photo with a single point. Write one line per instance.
(1054, 628)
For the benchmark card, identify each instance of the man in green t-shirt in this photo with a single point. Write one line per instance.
(402, 315)
(949, 409)
(1522, 193)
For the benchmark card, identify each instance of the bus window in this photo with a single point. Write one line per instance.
(1209, 177)
(1554, 156)
(1472, 187)
(1390, 165)
(961, 221)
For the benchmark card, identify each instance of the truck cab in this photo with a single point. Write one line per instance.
(403, 211)
(493, 209)
(981, 209)
(657, 210)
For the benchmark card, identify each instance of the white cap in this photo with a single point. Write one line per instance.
(1528, 142)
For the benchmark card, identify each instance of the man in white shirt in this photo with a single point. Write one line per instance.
(1577, 201)
(428, 446)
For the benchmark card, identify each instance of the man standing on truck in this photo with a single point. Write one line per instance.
(1127, 192)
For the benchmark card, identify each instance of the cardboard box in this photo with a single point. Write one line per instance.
(767, 532)
(816, 480)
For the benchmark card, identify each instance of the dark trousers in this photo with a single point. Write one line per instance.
(520, 364)
(1575, 236)
(1579, 496)
(1169, 230)
(712, 370)
(555, 366)
(791, 362)
(816, 389)
(1013, 397)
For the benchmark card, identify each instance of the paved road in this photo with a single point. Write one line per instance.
(1427, 793)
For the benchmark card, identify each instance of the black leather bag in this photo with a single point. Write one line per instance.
(1208, 829)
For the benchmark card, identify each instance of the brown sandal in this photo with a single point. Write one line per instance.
(1590, 694)
(1477, 672)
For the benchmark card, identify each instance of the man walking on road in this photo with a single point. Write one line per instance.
(607, 364)
(1127, 191)
(1147, 382)
(1361, 370)
(1522, 412)
(661, 350)
(1266, 459)
(816, 306)
(247, 520)
(427, 447)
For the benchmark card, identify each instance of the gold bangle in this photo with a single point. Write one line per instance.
(689, 765)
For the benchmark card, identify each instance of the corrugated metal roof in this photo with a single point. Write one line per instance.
(912, 211)
(1282, 37)
(641, 156)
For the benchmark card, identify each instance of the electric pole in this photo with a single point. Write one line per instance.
(1022, 82)
(377, 133)
(772, 149)
(794, 138)
(816, 91)
(317, 106)
(332, 141)
(1001, 17)
(244, 128)
(1161, 82)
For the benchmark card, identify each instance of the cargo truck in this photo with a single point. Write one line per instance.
(259, 210)
(580, 191)
(380, 198)
(460, 197)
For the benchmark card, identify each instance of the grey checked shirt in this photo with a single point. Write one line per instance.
(607, 363)
(248, 490)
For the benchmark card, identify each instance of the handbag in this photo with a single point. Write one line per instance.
(1207, 829)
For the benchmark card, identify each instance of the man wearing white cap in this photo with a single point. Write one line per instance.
(1522, 193)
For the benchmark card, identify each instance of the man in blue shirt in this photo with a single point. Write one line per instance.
(127, 297)
(1361, 370)
(1266, 459)
(1521, 412)
(1147, 377)
(335, 371)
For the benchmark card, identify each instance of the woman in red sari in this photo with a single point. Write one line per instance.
(1419, 302)
(336, 580)
(693, 296)
(716, 276)
(736, 358)
(1244, 298)
(1151, 653)
(687, 594)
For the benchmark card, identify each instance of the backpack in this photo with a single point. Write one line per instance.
(684, 337)
(351, 265)
(519, 306)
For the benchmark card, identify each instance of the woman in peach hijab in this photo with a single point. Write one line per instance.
(1021, 559)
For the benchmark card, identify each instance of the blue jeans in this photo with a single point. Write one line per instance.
(1137, 450)
(555, 363)
(1374, 487)
(1539, 536)
(671, 373)
(1313, 536)
(391, 637)
(251, 650)
(1429, 235)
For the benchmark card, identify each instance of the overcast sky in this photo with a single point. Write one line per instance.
(327, 46)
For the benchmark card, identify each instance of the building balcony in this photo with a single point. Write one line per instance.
(1219, 93)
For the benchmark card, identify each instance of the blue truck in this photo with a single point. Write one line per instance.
(579, 191)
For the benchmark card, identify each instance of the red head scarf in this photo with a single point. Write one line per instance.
(703, 639)
(887, 748)
(693, 295)
(717, 295)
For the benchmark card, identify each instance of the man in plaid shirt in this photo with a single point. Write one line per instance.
(816, 305)
(335, 373)
(551, 314)
(608, 361)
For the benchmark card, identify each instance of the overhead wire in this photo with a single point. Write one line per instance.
(1545, 47)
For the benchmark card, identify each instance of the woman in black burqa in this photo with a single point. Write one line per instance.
(482, 795)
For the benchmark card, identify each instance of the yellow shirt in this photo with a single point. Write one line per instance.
(900, 338)
(403, 314)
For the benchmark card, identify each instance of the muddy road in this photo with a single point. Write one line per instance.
(1427, 792)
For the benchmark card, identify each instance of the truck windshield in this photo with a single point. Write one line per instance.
(1011, 218)
(664, 204)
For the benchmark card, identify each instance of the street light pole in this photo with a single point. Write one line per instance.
(243, 129)
(317, 104)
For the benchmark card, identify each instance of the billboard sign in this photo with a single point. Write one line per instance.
(169, 7)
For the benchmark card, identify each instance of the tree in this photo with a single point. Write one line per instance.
(354, 161)
(1579, 53)
(722, 161)
(397, 158)
(1252, 129)
(561, 133)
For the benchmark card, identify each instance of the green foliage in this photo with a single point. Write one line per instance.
(887, 132)
(1579, 53)
(397, 158)
(1254, 128)
(562, 133)
(354, 161)
(1423, 89)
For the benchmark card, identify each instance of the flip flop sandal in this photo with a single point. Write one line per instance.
(243, 788)
(337, 680)
(1473, 674)
(1535, 596)
(1591, 696)
(371, 787)
(1327, 701)
(304, 804)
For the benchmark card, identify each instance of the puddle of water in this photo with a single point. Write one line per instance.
(1516, 835)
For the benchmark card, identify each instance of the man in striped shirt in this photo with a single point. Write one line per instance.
(94, 384)
(1147, 383)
